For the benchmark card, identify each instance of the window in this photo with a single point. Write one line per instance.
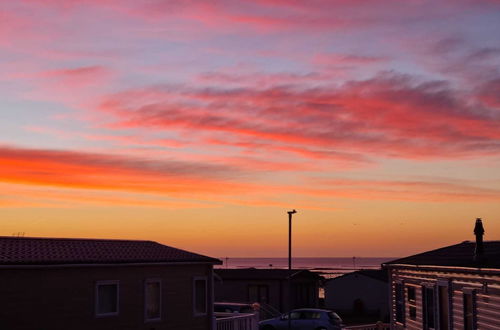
(152, 300)
(428, 307)
(106, 298)
(444, 306)
(200, 296)
(311, 315)
(411, 294)
(304, 295)
(412, 302)
(400, 303)
(258, 293)
(293, 316)
(469, 300)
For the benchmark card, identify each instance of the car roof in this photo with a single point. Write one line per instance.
(311, 310)
(232, 304)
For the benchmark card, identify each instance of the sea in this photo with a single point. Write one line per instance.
(328, 267)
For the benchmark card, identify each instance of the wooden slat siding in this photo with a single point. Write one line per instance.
(392, 297)
(487, 302)
(458, 310)
(483, 321)
(488, 307)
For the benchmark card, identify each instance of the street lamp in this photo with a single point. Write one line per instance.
(290, 238)
(290, 265)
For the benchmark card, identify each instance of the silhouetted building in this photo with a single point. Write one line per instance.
(360, 293)
(48, 283)
(454, 287)
(268, 287)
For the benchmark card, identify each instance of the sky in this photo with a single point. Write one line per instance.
(199, 124)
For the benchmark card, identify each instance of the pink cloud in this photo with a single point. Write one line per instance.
(334, 59)
(79, 77)
(75, 87)
(391, 115)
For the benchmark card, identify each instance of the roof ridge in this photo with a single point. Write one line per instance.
(78, 239)
(456, 255)
(430, 251)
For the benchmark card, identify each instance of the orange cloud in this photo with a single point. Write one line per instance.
(108, 172)
(404, 190)
(78, 178)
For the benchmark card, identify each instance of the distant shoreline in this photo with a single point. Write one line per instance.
(357, 257)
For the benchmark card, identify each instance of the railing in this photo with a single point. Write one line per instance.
(230, 321)
(375, 326)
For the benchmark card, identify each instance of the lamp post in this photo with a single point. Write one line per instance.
(290, 266)
(290, 238)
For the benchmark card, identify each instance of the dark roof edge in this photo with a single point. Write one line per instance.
(450, 268)
(269, 276)
(80, 239)
(357, 272)
(395, 261)
(123, 264)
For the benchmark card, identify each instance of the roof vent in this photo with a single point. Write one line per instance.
(479, 232)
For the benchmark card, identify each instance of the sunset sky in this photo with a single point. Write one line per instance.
(198, 124)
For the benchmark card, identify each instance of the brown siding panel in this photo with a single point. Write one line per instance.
(64, 298)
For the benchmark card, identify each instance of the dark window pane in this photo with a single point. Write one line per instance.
(253, 293)
(107, 298)
(200, 287)
(411, 294)
(444, 306)
(153, 300)
(428, 304)
(258, 293)
(413, 313)
(263, 294)
(311, 315)
(468, 312)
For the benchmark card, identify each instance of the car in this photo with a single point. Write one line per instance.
(304, 319)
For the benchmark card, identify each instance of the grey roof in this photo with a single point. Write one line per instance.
(377, 274)
(265, 274)
(458, 255)
(59, 251)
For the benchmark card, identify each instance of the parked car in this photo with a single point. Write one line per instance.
(304, 319)
(230, 307)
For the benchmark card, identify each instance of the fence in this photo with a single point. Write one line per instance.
(376, 326)
(229, 321)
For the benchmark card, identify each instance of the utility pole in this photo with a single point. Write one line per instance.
(290, 213)
(290, 238)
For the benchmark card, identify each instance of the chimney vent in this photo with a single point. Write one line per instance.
(479, 232)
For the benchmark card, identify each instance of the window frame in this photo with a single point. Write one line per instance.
(260, 289)
(146, 282)
(96, 293)
(412, 303)
(425, 309)
(444, 283)
(195, 312)
(472, 292)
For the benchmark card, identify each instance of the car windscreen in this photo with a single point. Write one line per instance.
(333, 316)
